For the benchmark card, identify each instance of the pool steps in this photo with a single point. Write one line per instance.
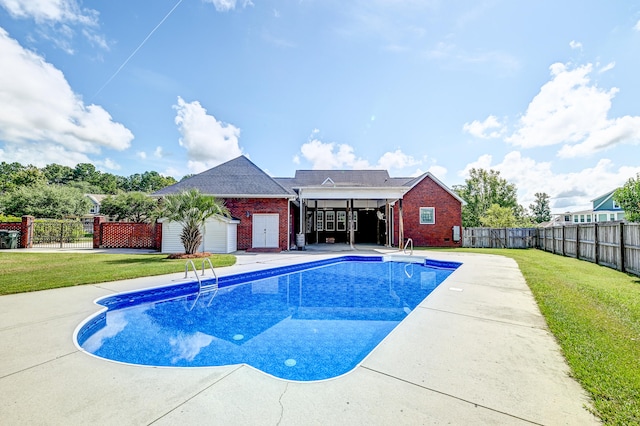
(213, 286)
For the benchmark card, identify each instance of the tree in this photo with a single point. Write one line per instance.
(45, 201)
(131, 206)
(498, 217)
(628, 197)
(7, 171)
(85, 172)
(481, 190)
(191, 209)
(57, 174)
(541, 209)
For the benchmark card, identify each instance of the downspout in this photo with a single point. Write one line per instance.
(400, 225)
(289, 224)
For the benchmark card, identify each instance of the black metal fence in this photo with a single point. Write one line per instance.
(54, 233)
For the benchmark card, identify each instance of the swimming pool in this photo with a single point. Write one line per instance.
(304, 322)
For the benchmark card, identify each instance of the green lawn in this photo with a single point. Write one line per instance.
(594, 312)
(24, 271)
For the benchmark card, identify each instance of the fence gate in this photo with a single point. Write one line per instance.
(53, 233)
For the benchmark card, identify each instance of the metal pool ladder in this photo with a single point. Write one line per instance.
(214, 286)
(409, 241)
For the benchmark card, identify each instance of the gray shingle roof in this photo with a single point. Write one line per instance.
(235, 178)
(340, 178)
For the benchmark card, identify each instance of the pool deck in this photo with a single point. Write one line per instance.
(476, 351)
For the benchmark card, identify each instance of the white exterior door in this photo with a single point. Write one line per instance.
(266, 230)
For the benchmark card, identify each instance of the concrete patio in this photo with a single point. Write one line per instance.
(476, 351)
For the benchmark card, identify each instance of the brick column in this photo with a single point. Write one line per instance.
(158, 236)
(97, 228)
(26, 232)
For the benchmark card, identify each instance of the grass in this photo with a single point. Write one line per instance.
(23, 272)
(594, 313)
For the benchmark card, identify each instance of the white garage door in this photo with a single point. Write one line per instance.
(266, 230)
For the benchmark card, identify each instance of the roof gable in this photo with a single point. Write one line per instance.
(348, 178)
(235, 178)
(415, 181)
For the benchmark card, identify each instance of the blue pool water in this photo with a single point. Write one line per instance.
(303, 322)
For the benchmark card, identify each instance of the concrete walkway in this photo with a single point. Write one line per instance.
(476, 351)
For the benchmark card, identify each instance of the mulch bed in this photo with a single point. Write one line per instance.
(189, 256)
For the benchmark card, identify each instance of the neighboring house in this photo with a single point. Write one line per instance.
(94, 210)
(95, 199)
(605, 209)
(330, 206)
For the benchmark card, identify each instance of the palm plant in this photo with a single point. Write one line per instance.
(191, 209)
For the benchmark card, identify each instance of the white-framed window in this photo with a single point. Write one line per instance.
(616, 206)
(330, 220)
(427, 215)
(320, 220)
(341, 220)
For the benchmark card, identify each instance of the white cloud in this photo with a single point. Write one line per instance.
(570, 191)
(491, 128)
(48, 153)
(38, 106)
(159, 152)
(396, 160)
(57, 20)
(43, 11)
(571, 110)
(141, 155)
(575, 44)
(108, 163)
(208, 142)
(438, 171)
(331, 155)
(637, 26)
(227, 5)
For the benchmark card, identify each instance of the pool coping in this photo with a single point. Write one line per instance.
(477, 350)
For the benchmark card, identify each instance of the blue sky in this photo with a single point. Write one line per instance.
(546, 92)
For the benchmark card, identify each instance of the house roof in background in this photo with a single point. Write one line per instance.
(236, 178)
(240, 178)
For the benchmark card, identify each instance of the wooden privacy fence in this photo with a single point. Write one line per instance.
(616, 245)
(500, 237)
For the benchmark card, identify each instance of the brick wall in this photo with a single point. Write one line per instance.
(126, 234)
(448, 213)
(25, 229)
(239, 208)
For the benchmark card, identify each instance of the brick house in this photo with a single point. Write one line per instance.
(330, 206)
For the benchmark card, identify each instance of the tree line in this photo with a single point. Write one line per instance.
(83, 176)
(57, 191)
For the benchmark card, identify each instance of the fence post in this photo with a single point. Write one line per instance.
(578, 242)
(97, 231)
(564, 250)
(596, 246)
(622, 266)
(26, 232)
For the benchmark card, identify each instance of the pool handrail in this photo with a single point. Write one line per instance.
(409, 240)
